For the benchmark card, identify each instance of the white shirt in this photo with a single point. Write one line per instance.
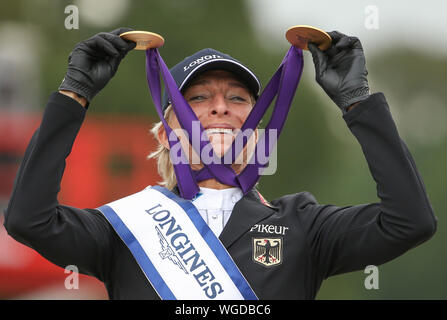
(215, 206)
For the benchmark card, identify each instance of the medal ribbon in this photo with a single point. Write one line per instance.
(283, 85)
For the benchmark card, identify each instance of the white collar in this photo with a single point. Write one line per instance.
(213, 199)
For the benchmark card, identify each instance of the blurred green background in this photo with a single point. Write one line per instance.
(316, 153)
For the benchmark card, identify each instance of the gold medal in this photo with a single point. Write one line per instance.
(300, 35)
(144, 39)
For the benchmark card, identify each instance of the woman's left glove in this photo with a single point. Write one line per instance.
(341, 70)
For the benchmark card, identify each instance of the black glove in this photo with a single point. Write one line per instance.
(93, 63)
(341, 70)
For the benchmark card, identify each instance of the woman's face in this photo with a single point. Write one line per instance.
(222, 103)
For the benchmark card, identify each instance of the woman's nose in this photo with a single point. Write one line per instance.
(219, 106)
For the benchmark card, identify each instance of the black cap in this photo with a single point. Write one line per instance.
(210, 59)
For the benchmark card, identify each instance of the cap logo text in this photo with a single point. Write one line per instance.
(200, 60)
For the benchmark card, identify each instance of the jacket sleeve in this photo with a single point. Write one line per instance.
(64, 235)
(351, 238)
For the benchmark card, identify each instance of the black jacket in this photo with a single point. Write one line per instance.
(316, 241)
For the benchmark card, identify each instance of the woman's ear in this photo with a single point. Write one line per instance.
(162, 137)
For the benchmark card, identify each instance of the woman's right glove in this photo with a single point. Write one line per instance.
(93, 62)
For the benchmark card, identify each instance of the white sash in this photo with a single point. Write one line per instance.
(179, 254)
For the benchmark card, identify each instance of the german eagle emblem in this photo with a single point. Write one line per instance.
(267, 251)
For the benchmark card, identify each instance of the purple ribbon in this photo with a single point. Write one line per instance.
(283, 85)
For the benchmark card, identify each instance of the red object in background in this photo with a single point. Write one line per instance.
(108, 161)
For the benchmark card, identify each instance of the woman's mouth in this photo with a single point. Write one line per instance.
(219, 130)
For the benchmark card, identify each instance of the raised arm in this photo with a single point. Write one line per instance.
(64, 235)
(350, 238)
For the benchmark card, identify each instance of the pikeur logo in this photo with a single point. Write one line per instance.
(200, 60)
(270, 229)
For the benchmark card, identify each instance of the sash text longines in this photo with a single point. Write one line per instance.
(186, 251)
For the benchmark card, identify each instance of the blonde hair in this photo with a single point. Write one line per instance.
(161, 155)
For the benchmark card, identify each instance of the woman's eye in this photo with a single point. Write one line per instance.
(238, 99)
(197, 98)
